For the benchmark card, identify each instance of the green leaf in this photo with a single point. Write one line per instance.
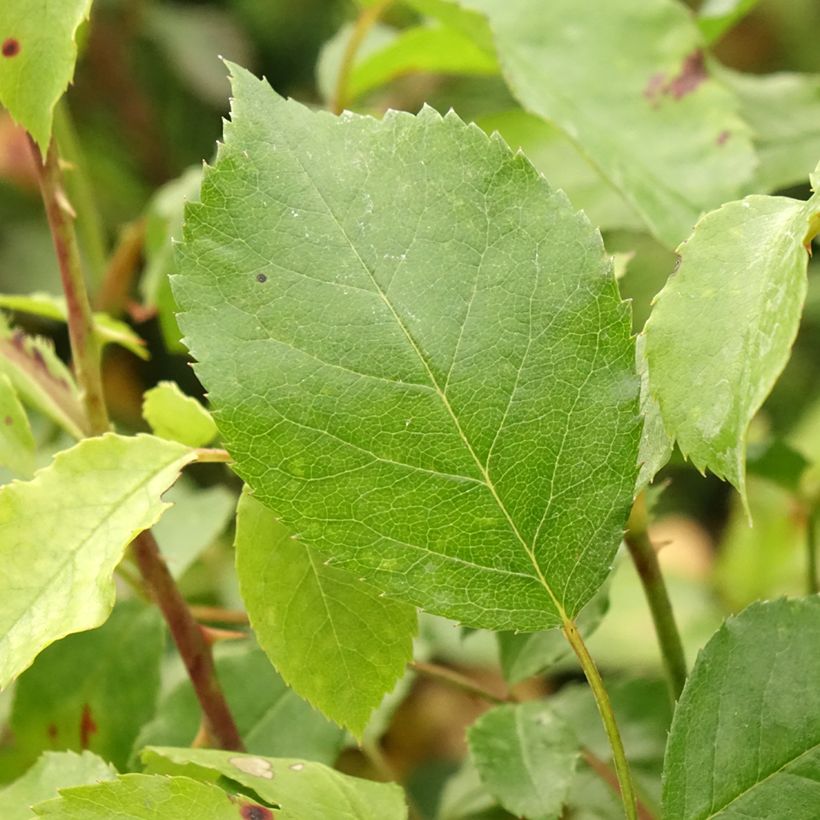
(526, 757)
(174, 416)
(783, 111)
(523, 655)
(37, 60)
(272, 719)
(716, 17)
(16, 439)
(627, 83)
(656, 444)
(107, 329)
(41, 379)
(302, 789)
(347, 354)
(92, 691)
(63, 533)
(745, 739)
(53, 771)
(148, 797)
(336, 641)
(458, 17)
(721, 330)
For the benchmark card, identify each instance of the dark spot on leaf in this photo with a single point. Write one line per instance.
(654, 87)
(87, 727)
(11, 47)
(51, 730)
(690, 76)
(260, 277)
(8, 420)
(255, 812)
(722, 137)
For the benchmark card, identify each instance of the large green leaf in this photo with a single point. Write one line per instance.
(150, 797)
(16, 439)
(53, 771)
(336, 641)
(272, 719)
(37, 56)
(63, 533)
(627, 83)
(526, 756)
(445, 402)
(745, 739)
(302, 789)
(93, 690)
(721, 330)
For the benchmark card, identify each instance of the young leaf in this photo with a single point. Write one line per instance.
(627, 83)
(150, 797)
(53, 771)
(177, 417)
(41, 379)
(37, 56)
(526, 756)
(63, 533)
(336, 641)
(92, 691)
(272, 719)
(301, 788)
(716, 17)
(445, 403)
(16, 439)
(722, 328)
(745, 739)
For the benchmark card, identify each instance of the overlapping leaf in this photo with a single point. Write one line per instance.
(416, 355)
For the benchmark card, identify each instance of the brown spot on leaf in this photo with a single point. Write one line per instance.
(87, 727)
(722, 137)
(11, 47)
(690, 76)
(654, 87)
(8, 421)
(51, 731)
(253, 811)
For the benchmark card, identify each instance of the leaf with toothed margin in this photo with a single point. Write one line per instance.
(416, 354)
(722, 328)
(302, 789)
(37, 55)
(63, 533)
(336, 641)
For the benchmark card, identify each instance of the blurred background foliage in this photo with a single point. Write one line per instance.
(145, 110)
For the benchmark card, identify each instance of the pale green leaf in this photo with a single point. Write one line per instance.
(41, 379)
(37, 60)
(526, 756)
(716, 17)
(272, 719)
(432, 49)
(80, 693)
(445, 404)
(107, 329)
(458, 17)
(627, 83)
(63, 533)
(745, 739)
(783, 111)
(303, 790)
(16, 439)
(53, 771)
(146, 797)
(721, 330)
(174, 416)
(335, 640)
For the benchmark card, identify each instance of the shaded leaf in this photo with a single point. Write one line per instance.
(173, 415)
(339, 644)
(745, 739)
(302, 789)
(53, 771)
(347, 356)
(37, 61)
(63, 533)
(16, 439)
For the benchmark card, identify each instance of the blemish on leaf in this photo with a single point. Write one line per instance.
(8, 420)
(260, 277)
(255, 812)
(51, 731)
(296, 767)
(690, 76)
(87, 727)
(256, 766)
(11, 47)
(722, 137)
(654, 87)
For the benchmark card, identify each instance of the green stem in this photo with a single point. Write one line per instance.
(458, 681)
(366, 20)
(646, 563)
(812, 579)
(596, 683)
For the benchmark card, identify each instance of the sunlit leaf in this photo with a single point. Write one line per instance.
(174, 416)
(16, 439)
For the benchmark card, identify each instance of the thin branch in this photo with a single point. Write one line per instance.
(219, 615)
(646, 563)
(459, 681)
(210, 455)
